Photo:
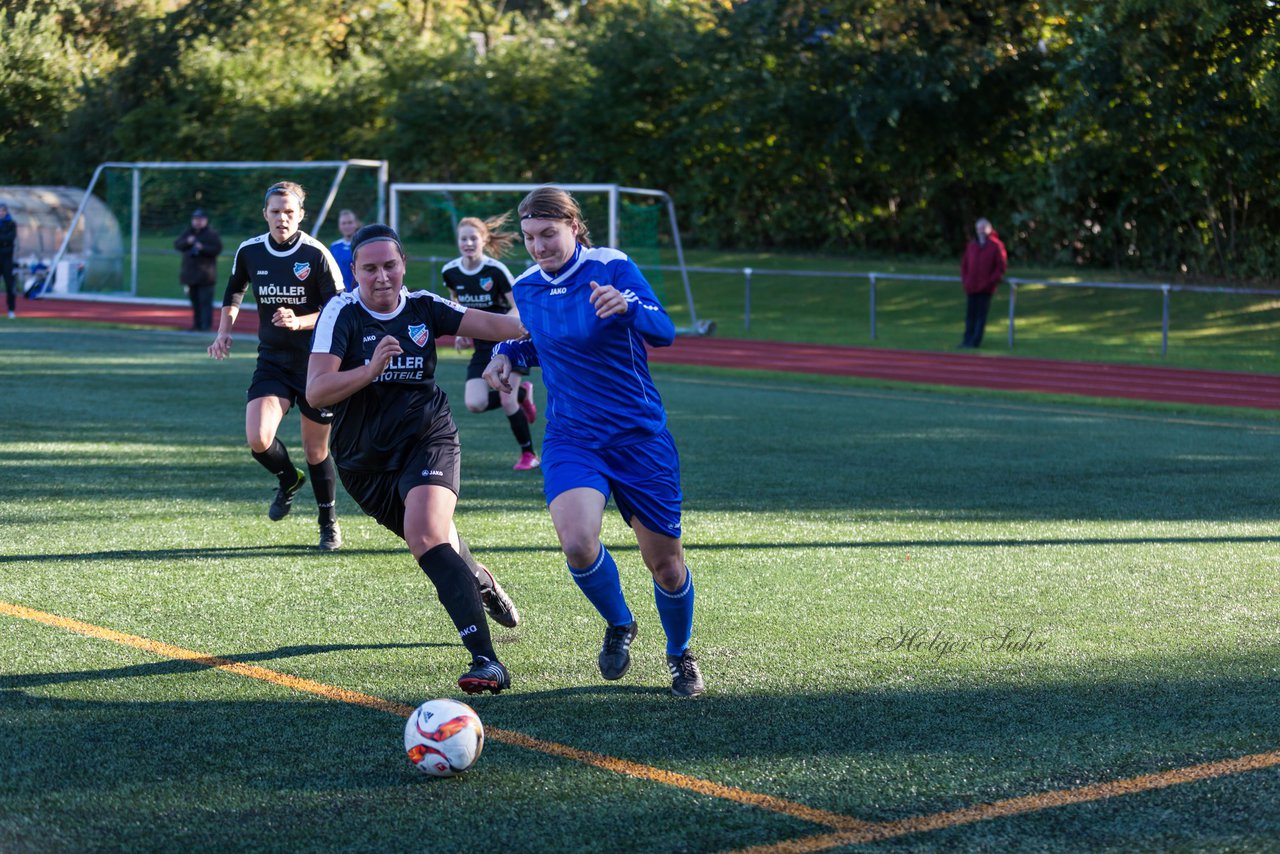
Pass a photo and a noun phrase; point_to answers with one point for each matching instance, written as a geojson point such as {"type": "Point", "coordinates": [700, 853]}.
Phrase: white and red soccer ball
{"type": "Point", "coordinates": [443, 738]}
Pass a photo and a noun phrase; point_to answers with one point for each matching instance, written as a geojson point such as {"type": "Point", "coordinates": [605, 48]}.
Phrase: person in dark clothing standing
{"type": "Point", "coordinates": [200, 246]}
{"type": "Point", "coordinates": [983, 266]}
{"type": "Point", "coordinates": [8, 237]}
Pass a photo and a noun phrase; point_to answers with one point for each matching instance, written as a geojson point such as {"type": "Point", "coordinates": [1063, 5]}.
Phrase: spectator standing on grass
{"type": "Point", "coordinates": [8, 239]}
{"type": "Point", "coordinates": [293, 276]}
{"type": "Point", "coordinates": [348, 225]}
{"type": "Point", "coordinates": [981, 270]}
{"type": "Point", "coordinates": [373, 360]}
{"type": "Point", "coordinates": [478, 280]}
{"type": "Point", "coordinates": [590, 314]}
{"type": "Point", "coordinates": [200, 246]}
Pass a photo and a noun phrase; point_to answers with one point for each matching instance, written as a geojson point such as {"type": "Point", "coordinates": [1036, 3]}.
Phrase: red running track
{"type": "Point", "coordinates": [1093, 379]}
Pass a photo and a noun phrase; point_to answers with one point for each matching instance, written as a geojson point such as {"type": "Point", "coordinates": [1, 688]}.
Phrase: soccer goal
{"type": "Point", "coordinates": [153, 203]}
{"type": "Point", "coordinates": [427, 215]}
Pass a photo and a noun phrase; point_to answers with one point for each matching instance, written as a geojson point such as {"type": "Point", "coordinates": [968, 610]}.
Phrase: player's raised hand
{"type": "Point", "coordinates": [608, 300]}
{"type": "Point", "coordinates": [388, 348]}
{"type": "Point", "coordinates": [498, 373]}
{"type": "Point", "coordinates": [221, 346]}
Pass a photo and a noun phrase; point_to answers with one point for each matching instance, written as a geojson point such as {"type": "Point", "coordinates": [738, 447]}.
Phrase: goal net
{"type": "Point", "coordinates": [635, 220]}
{"type": "Point", "coordinates": [152, 203]}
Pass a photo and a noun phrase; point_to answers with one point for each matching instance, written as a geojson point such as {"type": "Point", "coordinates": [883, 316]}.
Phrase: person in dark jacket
{"type": "Point", "coordinates": [983, 266]}
{"type": "Point", "coordinates": [8, 237]}
{"type": "Point", "coordinates": [200, 246]}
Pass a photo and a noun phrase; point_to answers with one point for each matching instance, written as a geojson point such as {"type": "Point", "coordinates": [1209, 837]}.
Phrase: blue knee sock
{"type": "Point", "coordinates": [675, 610]}
{"type": "Point", "coordinates": [603, 589]}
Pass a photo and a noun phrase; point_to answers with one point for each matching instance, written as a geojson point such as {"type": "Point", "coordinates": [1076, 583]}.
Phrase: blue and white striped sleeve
{"type": "Point", "coordinates": [521, 352]}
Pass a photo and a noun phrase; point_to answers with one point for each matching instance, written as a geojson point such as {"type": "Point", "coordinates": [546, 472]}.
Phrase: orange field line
{"type": "Point", "coordinates": [877, 831]}
{"type": "Point", "coordinates": [332, 692]}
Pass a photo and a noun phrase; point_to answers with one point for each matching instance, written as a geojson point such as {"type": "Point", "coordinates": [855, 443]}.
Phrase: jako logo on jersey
{"type": "Point", "coordinates": [486, 284]}
{"type": "Point", "coordinates": [366, 339]}
{"type": "Point", "coordinates": [419, 334]}
{"type": "Point", "coordinates": [302, 269]}
{"type": "Point", "coordinates": [555, 292]}
{"type": "Point", "coordinates": [432, 473]}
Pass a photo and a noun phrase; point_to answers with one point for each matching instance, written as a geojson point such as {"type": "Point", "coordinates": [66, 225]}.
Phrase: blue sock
{"type": "Point", "coordinates": [675, 610]}
{"type": "Point", "coordinates": [603, 589]}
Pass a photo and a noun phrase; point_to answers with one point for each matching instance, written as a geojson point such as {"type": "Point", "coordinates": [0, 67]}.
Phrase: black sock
{"type": "Point", "coordinates": [495, 400]}
{"type": "Point", "coordinates": [324, 481]}
{"type": "Point", "coordinates": [460, 595]}
{"type": "Point", "coordinates": [520, 429]}
{"type": "Point", "coordinates": [275, 459]}
{"type": "Point", "coordinates": [482, 578]}
{"type": "Point", "coordinates": [521, 393]}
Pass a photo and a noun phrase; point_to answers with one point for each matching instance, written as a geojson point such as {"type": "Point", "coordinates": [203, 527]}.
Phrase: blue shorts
{"type": "Point", "coordinates": [644, 478]}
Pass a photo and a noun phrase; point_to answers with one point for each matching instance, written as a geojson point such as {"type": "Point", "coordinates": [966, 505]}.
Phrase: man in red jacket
{"type": "Point", "coordinates": [981, 270]}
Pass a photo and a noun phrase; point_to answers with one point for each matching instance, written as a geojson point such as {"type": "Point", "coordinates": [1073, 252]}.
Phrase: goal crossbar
{"type": "Point", "coordinates": [614, 191]}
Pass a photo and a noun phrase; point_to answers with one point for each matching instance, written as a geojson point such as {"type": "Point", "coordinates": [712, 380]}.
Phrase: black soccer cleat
{"type": "Point", "coordinates": [496, 601]}
{"type": "Point", "coordinates": [283, 501]}
{"type": "Point", "coordinates": [615, 653]}
{"type": "Point", "coordinates": [686, 677]}
{"type": "Point", "coordinates": [330, 537]}
{"type": "Point", "coordinates": [485, 675]}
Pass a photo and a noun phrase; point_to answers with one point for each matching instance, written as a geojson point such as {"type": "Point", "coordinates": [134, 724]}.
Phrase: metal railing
{"type": "Point", "coordinates": [875, 278]}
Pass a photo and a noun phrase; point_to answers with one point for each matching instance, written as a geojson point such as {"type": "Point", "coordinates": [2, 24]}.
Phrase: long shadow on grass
{"type": "Point", "coordinates": [279, 550]}
{"type": "Point", "coordinates": [887, 753]}
{"type": "Point", "coordinates": [173, 667]}
{"type": "Point", "coordinates": [314, 767]}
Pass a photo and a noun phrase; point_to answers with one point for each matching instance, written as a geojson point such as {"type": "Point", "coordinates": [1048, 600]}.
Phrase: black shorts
{"type": "Point", "coordinates": [272, 378]}
{"type": "Point", "coordinates": [480, 360]}
{"type": "Point", "coordinates": [434, 460]}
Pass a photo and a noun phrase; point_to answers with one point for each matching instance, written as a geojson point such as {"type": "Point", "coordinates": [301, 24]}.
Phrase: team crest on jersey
{"type": "Point", "coordinates": [486, 284]}
{"type": "Point", "coordinates": [418, 332]}
{"type": "Point", "coordinates": [302, 269]}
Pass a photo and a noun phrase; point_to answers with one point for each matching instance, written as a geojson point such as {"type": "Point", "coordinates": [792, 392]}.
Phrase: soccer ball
{"type": "Point", "coordinates": [443, 737]}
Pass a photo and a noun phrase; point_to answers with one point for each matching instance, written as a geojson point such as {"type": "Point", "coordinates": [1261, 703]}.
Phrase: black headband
{"type": "Point", "coordinates": [372, 233]}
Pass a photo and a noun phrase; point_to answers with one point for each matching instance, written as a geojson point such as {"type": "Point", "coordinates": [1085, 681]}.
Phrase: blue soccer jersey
{"type": "Point", "coordinates": [596, 371]}
{"type": "Point", "coordinates": [341, 252]}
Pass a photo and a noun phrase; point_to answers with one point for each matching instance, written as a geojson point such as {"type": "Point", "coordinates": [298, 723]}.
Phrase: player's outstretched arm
{"type": "Point", "coordinates": [489, 326]}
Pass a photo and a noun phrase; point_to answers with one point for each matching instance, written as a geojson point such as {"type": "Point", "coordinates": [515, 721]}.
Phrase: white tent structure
{"type": "Point", "coordinates": [45, 215]}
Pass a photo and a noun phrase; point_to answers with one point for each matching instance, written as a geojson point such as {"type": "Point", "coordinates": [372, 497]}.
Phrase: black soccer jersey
{"type": "Point", "coordinates": [488, 288]}
{"type": "Point", "coordinates": [301, 276]}
{"type": "Point", "coordinates": [375, 429]}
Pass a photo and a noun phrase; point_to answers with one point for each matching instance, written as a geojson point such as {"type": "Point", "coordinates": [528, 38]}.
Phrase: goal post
{"type": "Point", "coordinates": [615, 196]}
{"type": "Point", "coordinates": [152, 200]}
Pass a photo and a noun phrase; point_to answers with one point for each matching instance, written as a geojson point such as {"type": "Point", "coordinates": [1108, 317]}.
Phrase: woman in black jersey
{"type": "Point", "coordinates": [373, 360]}
{"type": "Point", "coordinates": [478, 280]}
{"type": "Point", "coordinates": [293, 276]}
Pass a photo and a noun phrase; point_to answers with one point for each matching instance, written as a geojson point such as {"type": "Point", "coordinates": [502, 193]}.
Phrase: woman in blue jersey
{"type": "Point", "coordinates": [589, 313]}
{"type": "Point", "coordinates": [373, 361]}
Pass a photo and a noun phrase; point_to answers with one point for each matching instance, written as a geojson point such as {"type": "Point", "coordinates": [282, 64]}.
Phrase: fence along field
{"type": "Point", "coordinates": [854, 581]}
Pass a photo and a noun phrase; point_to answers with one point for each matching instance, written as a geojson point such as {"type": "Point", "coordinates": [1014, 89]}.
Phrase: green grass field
{"type": "Point", "coordinates": [1217, 331]}
{"type": "Point", "coordinates": [860, 555]}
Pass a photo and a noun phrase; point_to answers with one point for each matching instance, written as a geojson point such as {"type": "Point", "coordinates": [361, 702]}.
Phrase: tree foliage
{"type": "Point", "coordinates": [1134, 133]}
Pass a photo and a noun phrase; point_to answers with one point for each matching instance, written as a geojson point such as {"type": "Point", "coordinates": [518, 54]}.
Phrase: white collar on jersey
{"type": "Point", "coordinates": [391, 315]}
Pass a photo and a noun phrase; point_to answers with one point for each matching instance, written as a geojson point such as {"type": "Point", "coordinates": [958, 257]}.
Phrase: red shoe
{"type": "Point", "coordinates": [527, 405]}
{"type": "Point", "coordinates": [527, 462]}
